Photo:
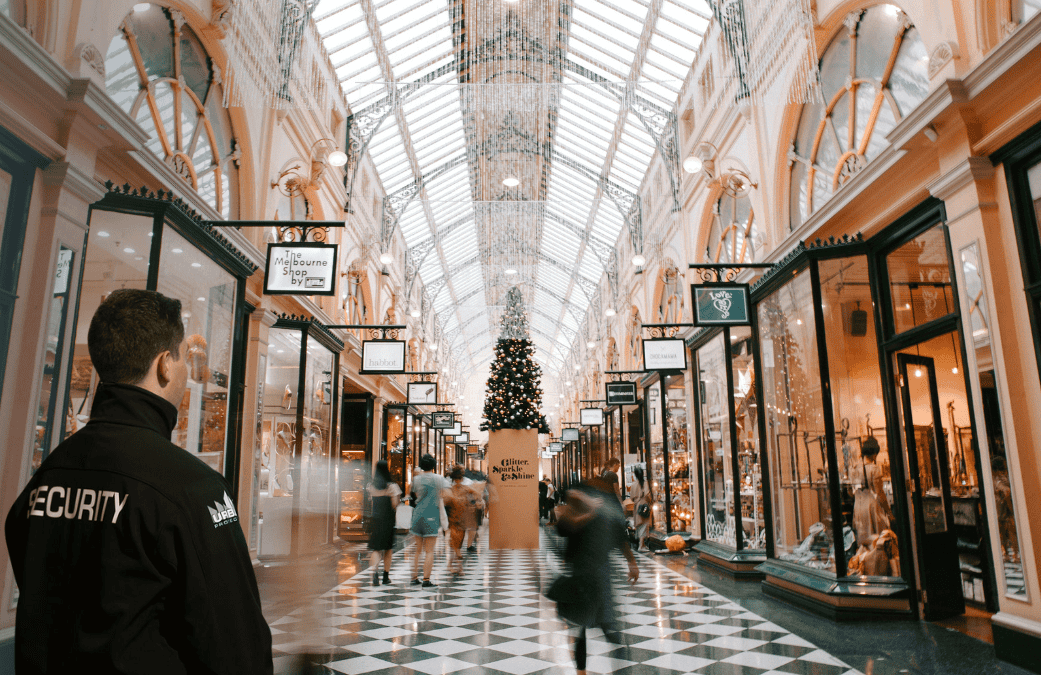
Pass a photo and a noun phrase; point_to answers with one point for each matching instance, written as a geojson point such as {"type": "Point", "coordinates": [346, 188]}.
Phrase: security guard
{"type": "Point", "coordinates": [127, 550]}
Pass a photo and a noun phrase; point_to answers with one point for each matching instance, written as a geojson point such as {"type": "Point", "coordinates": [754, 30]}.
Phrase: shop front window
{"type": "Point", "coordinates": [207, 293]}
{"type": "Point", "coordinates": [682, 510]}
{"type": "Point", "coordinates": [872, 75]}
{"type": "Point", "coordinates": [657, 454]}
{"type": "Point", "coordinates": [746, 422]}
{"type": "Point", "coordinates": [158, 72]}
{"type": "Point", "coordinates": [862, 457]}
{"type": "Point", "coordinates": [47, 412]}
{"type": "Point", "coordinates": [716, 448]}
{"type": "Point", "coordinates": [920, 281]}
{"type": "Point", "coordinates": [795, 435]}
{"type": "Point", "coordinates": [394, 444]}
{"type": "Point", "coordinates": [278, 479]}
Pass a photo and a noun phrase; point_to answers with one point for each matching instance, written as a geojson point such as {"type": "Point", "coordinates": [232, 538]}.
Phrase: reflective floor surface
{"type": "Point", "coordinates": [327, 617]}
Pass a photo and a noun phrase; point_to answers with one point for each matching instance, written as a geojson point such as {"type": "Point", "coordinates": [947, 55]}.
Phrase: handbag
{"type": "Point", "coordinates": [574, 598]}
{"type": "Point", "coordinates": [644, 510]}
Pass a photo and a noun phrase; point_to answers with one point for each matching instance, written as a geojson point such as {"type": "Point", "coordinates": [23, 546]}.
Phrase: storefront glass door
{"type": "Point", "coordinates": [925, 447]}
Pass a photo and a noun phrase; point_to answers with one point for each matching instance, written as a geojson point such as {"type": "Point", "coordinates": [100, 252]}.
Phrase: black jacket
{"type": "Point", "coordinates": [129, 555]}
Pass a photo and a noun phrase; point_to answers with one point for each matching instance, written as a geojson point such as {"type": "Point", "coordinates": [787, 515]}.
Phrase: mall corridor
{"type": "Point", "coordinates": [495, 619]}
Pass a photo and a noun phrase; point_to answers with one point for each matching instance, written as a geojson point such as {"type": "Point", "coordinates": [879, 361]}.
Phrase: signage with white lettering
{"type": "Point", "coordinates": [556, 446]}
{"type": "Point", "coordinates": [719, 305]}
{"type": "Point", "coordinates": [621, 393]}
{"type": "Point", "coordinates": [442, 420]}
{"type": "Point", "coordinates": [462, 438]}
{"type": "Point", "coordinates": [382, 357]}
{"type": "Point", "coordinates": [422, 393]}
{"type": "Point", "coordinates": [664, 354]}
{"type": "Point", "coordinates": [300, 268]}
{"type": "Point", "coordinates": [569, 435]}
{"type": "Point", "coordinates": [591, 417]}
{"type": "Point", "coordinates": [454, 430]}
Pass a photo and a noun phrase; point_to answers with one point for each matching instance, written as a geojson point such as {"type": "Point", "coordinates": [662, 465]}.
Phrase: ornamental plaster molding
{"type": "Point", "coordinates": [944, 53]}
{"type": "Point", "coordinates": [971, 170]}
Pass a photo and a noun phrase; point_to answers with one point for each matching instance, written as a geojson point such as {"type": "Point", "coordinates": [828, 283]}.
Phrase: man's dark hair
{"type": "Point", "coordinates": [130, 329]}
{"type": "Point", "coordinates": [427, 462]}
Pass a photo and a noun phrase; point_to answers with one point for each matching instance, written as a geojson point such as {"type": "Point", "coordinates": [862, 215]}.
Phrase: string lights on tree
{"type": "Point", "coordinates": [514, 392]}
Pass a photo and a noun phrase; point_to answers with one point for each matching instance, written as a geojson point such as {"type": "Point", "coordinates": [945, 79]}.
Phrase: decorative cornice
{"type": "Point", "coordinates": [1005, 56]}
{"type": "Point", "coordinates": [71, 178]}
{"type": "Point", "coordinates": [27, 50]}
{"type": "Point", "coordinates": [203, 224]}
{"type": "Point", "coordinates": [29, 133]}
{"type": "Point", "coordinates": [309, 323]}
{"type": "Point", "coordinates": [972, 169]}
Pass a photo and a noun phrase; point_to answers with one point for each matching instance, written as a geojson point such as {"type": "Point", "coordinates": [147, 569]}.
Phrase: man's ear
{"type": "Point", "coordinates": [163, 369]}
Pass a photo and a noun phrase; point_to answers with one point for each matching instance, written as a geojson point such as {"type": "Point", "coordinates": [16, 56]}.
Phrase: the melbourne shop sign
{"type": "Point", "coordinates": [300, 268]}
{"type": "Point", "coordinates": [720, 304]}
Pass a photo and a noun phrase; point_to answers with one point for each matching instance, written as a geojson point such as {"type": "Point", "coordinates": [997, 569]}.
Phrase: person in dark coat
{"type": "Point", "coordinates": [543, 492]}
{"type": "Point", "coordinates": [594, 525]}
{"type": "Point", "coordinates": [385, 495]}
{"type": "Point", "coordinates": [127, 550]}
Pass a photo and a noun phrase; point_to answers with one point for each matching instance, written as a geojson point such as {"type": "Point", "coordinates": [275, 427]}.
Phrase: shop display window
{"type": "Point", "coordinates": [795, 436]}
{"type": "Point", "coordinates": [657, 455]}
{"type": "Point", "coordinates": [355, 464]}
{"type": "Point", "coordinates": [48, 421]}
{"type": "Point", "coordinates": [862, 455]}
{"type": "Point", "coordinates": [729, 433]}
{"type": "Point", "coordinates": [920, 281]}
{"type": "Point", "coordinates": [207, 293]}
{"type": "Point", "coordinates": [299, 427]}
{"type": "Point", "coordinates": [395, 450]}
{"type": "Point", "coordinates": [1002, 478]}
{"type": "Point", "coordinates": [681, 509]}
{"type": "Point", "coordinates": [119, 254]}
{"type": "Point", "coordinates": [716, 448]}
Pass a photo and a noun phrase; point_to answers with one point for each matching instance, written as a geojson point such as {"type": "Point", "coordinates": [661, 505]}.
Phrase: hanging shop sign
{"type": "Point", "coordinates": [422, 393]}
{"type": "Point", "coordinates": [556, 447]}
{"type": "Point", "coordinates": [442, 420]}
{"type": "Point", "coordinates": [569, 435]}
{"type": "Point", "coordinates": [382, 357]}
{"type": "Point", "coordinates": [454, 430]}
{"type": "Point", "coordinates": [300, 268]}
{"type": "Point", "coordinates": [720, 304]}
{"type": "Point", "coordinates": [462, 438]}
{"type": "Point", "coordinates": [473, 450]}
{"type": "Point", "coordinates": [620, 393]}
{"type": "Point", "coordinates": [664, 354]}
{"type": "Point", "coordinates": [591, 417]}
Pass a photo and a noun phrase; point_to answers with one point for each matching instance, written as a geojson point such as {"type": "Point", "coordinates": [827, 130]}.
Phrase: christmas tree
{"type": "Point", "coordinates": [514, 391]}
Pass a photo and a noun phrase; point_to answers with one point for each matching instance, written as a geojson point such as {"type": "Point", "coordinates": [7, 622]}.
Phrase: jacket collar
{"type": "Point", "coordinates": [133, 406]}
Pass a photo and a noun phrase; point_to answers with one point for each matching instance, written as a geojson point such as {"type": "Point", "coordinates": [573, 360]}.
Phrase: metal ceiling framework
{"type": "Point", "coordinates": [572, 97]}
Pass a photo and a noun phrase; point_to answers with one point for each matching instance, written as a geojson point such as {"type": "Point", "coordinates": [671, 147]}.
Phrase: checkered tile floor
{"type": "Point", "coordinates": [495, 619]}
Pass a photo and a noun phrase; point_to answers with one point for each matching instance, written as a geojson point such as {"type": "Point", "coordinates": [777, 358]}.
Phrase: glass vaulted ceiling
{"type": "Point", "coordinates": [539, 90]}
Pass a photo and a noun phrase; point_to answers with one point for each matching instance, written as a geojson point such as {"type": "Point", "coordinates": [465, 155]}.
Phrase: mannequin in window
{"type": "Point", "coordinates": [871, 512]}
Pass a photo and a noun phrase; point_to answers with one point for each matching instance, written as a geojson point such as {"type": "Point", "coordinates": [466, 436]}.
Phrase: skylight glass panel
{"type": "Point", "coordinates": [590, 267]}
{"type": "Point", "coordinates": [460, 245]}
{"type": "Point", "coordinates": [676, 70]}
{"type": "Point", "coordinates": [675, 42]}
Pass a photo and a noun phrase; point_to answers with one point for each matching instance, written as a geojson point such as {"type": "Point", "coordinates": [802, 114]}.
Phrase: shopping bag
{"type": "Point", "coordinates": [403, 517]}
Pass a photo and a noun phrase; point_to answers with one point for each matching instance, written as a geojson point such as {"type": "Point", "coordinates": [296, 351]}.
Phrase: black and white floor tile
{"type": "Point", "coordinates": [496, 620]}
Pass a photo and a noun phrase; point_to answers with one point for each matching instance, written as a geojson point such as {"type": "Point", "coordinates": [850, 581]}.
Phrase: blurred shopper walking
{"type": "Point", "coordinates": [385, 496]}
{"type": "Point", "coordinates": [461, 502]}
{"type": "Point", "coordinates": [426, 517]}
{"type": "Point", "coordinates": [593, 523]}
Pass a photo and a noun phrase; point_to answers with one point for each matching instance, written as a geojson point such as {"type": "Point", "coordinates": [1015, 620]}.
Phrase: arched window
{"type": "Point", "coordinates": [873, 73]}
{"type": "Point", "coordinates": [670, 301]}
{"type": "Point", "coordinates": [158, 72]}
{"type": "Point", "coordinates": [733, 236]}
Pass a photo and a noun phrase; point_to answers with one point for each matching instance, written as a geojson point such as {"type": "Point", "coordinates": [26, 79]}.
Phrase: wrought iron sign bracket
{"type": "Point", "coordinates": [375, 332]}
{"type": "Point", "coordinates": [289, 230]}
{"type": "Point", "coordinates": [718, 274]}
{"type": "Point", "coordinates": [624, 375]}
{"type": "Point", "coordinates": [666, 330]}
